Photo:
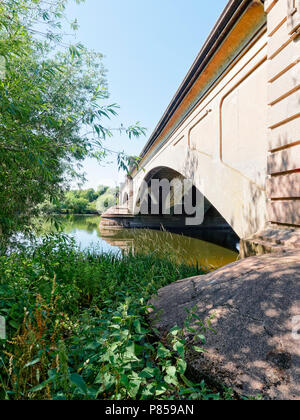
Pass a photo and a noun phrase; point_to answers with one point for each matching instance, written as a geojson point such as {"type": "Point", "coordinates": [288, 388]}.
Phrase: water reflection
{"type": "Point", "coordinates": [85, 230]}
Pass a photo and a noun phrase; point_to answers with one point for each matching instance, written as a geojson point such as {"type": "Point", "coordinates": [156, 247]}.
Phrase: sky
{"type": "Point", "coordinates": [148, 47]}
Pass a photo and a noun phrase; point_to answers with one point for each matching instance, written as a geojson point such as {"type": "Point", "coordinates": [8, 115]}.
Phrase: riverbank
{"type": "Point", "coordinates": [256, 307]}
{"type": "Point", "coordinates": [77, 327]}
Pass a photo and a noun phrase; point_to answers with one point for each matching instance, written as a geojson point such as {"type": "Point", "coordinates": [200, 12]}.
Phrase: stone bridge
{"type": "Point", "coordinates": [233, 126]}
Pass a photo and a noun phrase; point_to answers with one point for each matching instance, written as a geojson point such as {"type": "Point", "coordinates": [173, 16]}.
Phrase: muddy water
{"type": "Point", "coordinates": [85, 231]}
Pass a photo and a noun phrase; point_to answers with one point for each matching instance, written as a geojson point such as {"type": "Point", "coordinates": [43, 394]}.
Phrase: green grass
{"type": "Point", "coordinates": [78, 328]}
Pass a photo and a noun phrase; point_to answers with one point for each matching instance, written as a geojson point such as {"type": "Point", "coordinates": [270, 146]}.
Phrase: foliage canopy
{"type": "Point", "coordinates": [88, 201]}
{"type": "Point", "coordinates": [53, 107]}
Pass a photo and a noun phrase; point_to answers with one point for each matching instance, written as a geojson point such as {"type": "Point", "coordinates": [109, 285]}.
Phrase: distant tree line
{"type": "Point", "coordinates": [88, 201]}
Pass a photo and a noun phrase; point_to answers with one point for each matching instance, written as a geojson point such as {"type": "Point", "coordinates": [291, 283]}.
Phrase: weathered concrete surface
{"type": "Point", "coordinates": [271, 240]}
{"type": "Point", "coordinates": [255, 301]}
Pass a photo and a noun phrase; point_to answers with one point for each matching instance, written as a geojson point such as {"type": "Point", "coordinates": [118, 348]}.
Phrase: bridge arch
{"type": "Point", "coordinates": [213, 217]}
{"type": "Point", "coordinates": [240, 200]}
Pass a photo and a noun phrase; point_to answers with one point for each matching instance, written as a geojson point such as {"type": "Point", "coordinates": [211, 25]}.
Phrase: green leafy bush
{"type": "Point", "coordinates": [78, 327]}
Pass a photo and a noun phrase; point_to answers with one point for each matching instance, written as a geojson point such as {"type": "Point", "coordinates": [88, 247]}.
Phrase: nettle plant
{"type": "Point", "coordinates": [124, 360]}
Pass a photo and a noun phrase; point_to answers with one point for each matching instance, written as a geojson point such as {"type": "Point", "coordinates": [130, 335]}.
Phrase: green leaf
{"type": "Point", "coordinates": [137, 325]}
{"type": "Point", "coordinates": [186, 381]}
{"type": "Point", "coordinates": [202, 338]}
{"type": "Point", "coordinates": [162, 352]}
{"type": "Point", "coordinates": [175, 330]}
{"type": "Point", "coordinates": [172, 380]}
{"type": "Point", "coordinates": [33, 362]}
{"type": "Point", "coordinates": [42, 385]}
{"type": "Point", "coordinates": [179, 347]}
{"type": "Point", "coordinates": [79, 382]}
{"type": "Point", "coordinates": [134, 387]}
{"type": "Point", "coordinates": [199, 349]}
{"type": "Point", "coordinates": [181, 366]}
{"type": "Point", "coordinates": [14, 324]}
{"type": "Point", "coordinates": [147, 373]}
{"type": "Point", "coordinates": [160, 390]}
{"type": "Point", "coordinates": [171, 371]}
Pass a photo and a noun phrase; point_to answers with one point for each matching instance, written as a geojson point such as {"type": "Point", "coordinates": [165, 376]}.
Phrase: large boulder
{"type": "Point", "coordinates": [256, 303]}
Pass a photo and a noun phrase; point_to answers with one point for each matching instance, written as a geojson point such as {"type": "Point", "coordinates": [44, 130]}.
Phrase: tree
{"type": "Point", "coordinates": [52, 110]}
{"type": "Point", "coordinates": [89, 195]}
{"type": "Point", "coordinates": [107, 200]}
{"type": "Point", "coordinates": [102, 189]}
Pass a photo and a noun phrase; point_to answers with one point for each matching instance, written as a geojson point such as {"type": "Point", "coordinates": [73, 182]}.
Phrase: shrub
{"type": "Point", "coordinates": [77, 326]}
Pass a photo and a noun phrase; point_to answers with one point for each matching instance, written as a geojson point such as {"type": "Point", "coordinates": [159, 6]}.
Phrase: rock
{"type": "Point", "coordinates": [255, 302]}
{"type": "Point", "coordinates": [271, 240]}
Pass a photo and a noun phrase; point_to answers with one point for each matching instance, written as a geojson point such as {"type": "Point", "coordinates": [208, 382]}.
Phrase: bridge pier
{"type": "Point", "coordinates": [214, 229]}
{"type": "Point", "coordinates": [117, 222]}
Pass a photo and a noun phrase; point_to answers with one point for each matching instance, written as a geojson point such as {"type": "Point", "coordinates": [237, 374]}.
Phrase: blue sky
{"type": "Point", "coordinates": [149, 45]}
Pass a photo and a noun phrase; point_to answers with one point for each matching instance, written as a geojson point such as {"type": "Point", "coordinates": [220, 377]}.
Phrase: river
{"type": "Point", "coordinates": [182, 246]}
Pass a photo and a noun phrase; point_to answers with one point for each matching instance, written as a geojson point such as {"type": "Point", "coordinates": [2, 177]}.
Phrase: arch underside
{"type": "Point", "coordinates": [231, 200]}
{"type": "Point", "coordinates": [212, 217]}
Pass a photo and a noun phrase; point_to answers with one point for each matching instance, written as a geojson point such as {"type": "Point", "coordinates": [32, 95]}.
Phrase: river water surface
{"type": "Point", "coordinates": [85, 231]}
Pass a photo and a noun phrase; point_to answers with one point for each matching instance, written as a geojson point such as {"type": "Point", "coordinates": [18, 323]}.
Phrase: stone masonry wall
{"type": "Point", "coordinates": [283, 184]}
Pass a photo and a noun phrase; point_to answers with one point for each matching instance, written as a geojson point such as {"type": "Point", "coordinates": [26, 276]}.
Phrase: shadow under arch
{"type": "Point", "coordinates": [125, 198]}
{"type": "Point", "coordinates": [214, 227]}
